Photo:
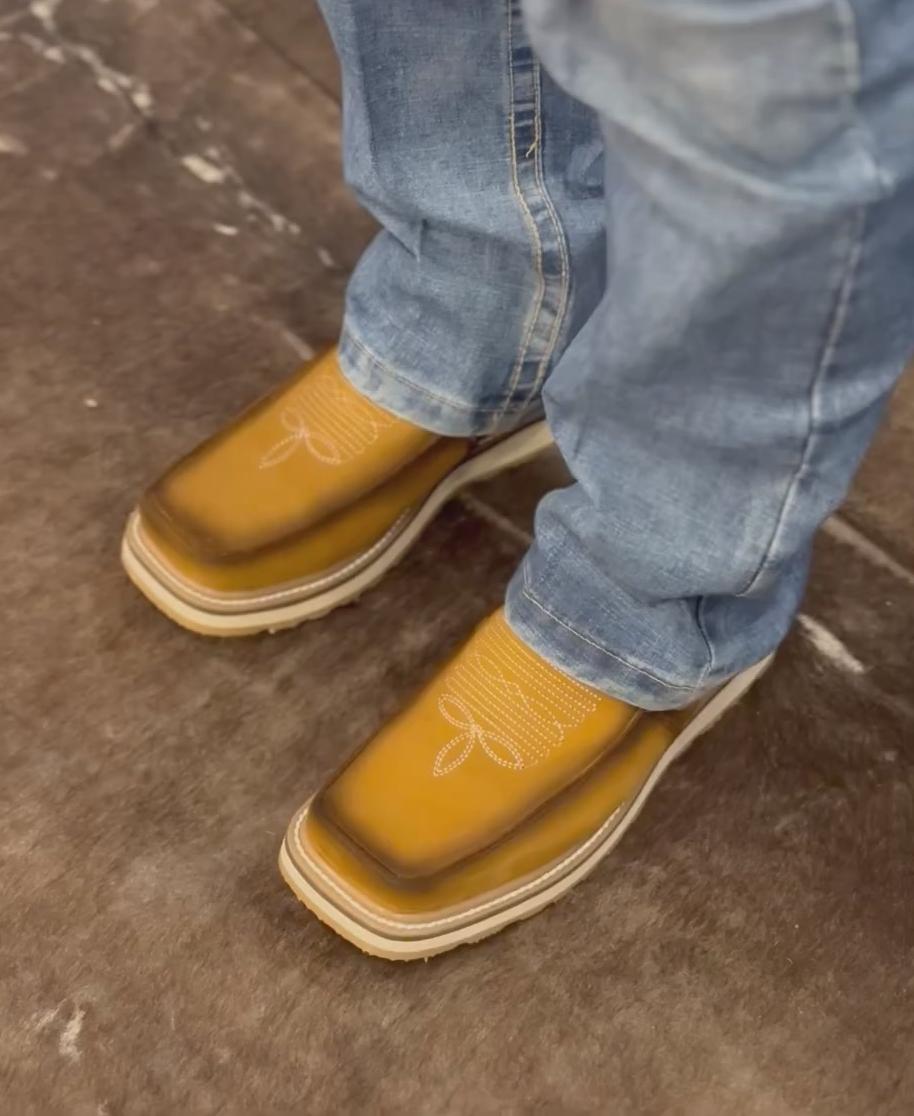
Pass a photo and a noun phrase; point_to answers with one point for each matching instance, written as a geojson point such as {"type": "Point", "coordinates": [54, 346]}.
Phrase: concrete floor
{"type": "Point", "coordinates": [174, 237]}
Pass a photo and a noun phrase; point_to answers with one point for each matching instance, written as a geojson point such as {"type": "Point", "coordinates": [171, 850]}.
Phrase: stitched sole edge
{"type": "Point", "coordinates": [372, 940]}
{"type": "Point", "coordinates": [506, 454]}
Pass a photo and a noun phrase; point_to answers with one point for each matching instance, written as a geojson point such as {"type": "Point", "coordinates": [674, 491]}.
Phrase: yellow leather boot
{"type": "Point", "coordinates": [493, 793]}
{"type": "Point", "coordinates": [298, 506]}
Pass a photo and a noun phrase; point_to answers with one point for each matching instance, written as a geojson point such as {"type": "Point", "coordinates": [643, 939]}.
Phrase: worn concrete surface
{"type": "Point", "coordinates": [173, 238]}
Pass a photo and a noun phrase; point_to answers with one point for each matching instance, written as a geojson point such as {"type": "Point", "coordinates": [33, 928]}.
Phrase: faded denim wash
{"type": "Point", "coordinates": [683, 227]}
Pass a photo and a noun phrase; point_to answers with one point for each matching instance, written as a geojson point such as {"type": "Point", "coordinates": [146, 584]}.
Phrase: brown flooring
{"type": "Point", "coordinates": [750, 948]}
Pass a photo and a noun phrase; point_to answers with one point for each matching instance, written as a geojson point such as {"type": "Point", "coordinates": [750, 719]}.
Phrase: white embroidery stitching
{"type": "Point", "coordinates": [333, 425]}
{"type": "Point", "coordinates": [504, 720]}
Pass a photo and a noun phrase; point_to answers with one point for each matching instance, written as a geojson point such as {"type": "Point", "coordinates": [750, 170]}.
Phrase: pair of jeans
{"type": "Point", "coordinates": [684, 229]}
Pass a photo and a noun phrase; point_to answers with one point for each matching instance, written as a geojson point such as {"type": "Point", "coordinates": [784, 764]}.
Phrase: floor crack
{"type": "Point", "coordinates": [839, 528]}
{"type": "Point", "coordinates": [278, 50]}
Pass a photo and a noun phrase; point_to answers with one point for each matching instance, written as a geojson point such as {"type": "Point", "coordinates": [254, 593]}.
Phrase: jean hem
{"type": "Point", "coordinates": [396, 392]}
{"type": "Point", "coordinates": [572, 652]}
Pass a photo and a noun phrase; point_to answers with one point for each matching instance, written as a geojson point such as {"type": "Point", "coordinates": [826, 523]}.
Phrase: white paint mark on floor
{"type": "Point", "coordinates": [203, 169]}
{"type": "Point", "coordinates": [68, 1040]}
{"type": "Point", "coordinates": [44, 1019]}
{"type": "Point", "coordinates": [69, 1036]}
{"type": "Point", "coordinates": [106, 77]}
{"type": "Point", "coordinates": [225, 230]}
{"type": "Point", "coordinates": [828, 645]}
{"type": "Point", "coordinates": [122, 135]}
{"type": "Point", "coordinates": [45, 11]}
{"type": "Point", "coordinates": [501, 522]}
{"type": "Point", "coordinates": [9, 145]}
{"type": "Point", "coordinates": [45, 50]}
{"type": "Point", "coordinates": [142, 99]}
{"type": "Point", "coordinates": [326, 258]}
{"type": "Point", "coordinates": [48, 51]}
{"type": "Point", "coordinates": [278, 221]}
{"type": "Point", "coordinates": [213, 168]}
{"type": "Point", "coordinates": [846, 533]}
{"type": "Point", "coordinates": [297, 344]}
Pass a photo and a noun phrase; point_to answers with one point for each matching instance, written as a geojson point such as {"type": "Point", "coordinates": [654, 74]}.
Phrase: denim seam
{"type": "Point", "coordinates": [551, 298]}
{"type": "Point", "coordinates": [535, 241]}
{"type": "Point", "coordinates": [560, 239]}
{"type": "Point", "coordinates": [844, 281]}
{"type": "Point", "coordinates": [833, 337]}
{"type": "Point", "coordinates": [702, 627]}
{"type": "Point", "coordinates": [640, 671]}
{"type": "Point", "coordinates": [405, 381]}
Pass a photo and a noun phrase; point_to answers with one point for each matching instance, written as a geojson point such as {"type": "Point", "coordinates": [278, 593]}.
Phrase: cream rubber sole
{"type": "Point", "coordinates": [238, 615]}
{"type": "Point", "coordinates": [410, 940]}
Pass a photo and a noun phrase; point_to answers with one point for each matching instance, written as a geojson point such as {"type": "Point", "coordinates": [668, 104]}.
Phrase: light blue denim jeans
{"type": "Point", "coordinates": [685, 228]}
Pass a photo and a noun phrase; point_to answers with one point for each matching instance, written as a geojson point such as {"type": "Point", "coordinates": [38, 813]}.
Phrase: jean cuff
{"type": "Point", "coordinates": [385, 385]}
{"type": "Point", "coordinates": [540, 624]}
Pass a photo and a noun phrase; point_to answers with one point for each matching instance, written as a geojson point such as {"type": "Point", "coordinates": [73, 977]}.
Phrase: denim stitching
{"type": "Point", "coordinates": [535, 241]}
{"type": "Point", "coordinates": [560, 239]}
{"type": "Point", "coordinates": [454, 404]}
{"type": "Point", "coordinates": [640, 671]}
{"type": "Point", "coordinates": [700, 623]}
{"type": "Point", "coordinates": [544, 324]}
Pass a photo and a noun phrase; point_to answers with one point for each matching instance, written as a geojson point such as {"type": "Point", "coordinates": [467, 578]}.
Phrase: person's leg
{"type": "Point", "coordinates": [760, 216]}
{"type": "Point", "coordinates": [761, 235]}
{"type": "Point", "coordinates": [487, 180]}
